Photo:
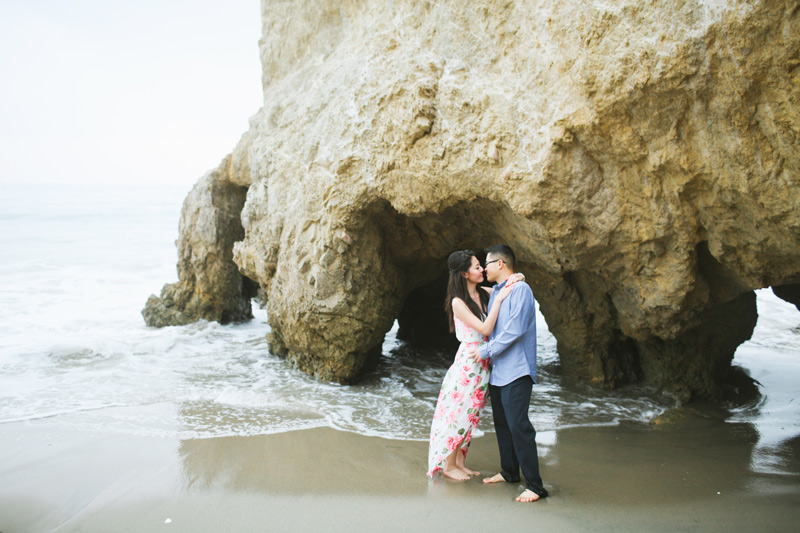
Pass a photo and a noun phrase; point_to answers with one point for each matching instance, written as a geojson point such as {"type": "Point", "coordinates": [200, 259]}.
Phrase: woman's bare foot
{"type": "Point", "coordinates": [497, 478]}
{"type": "Point", "coordinates": [455, 473]}
{"type": "Point", "coordinates": [468, 470]}
{"type": "Point", "coordinates": [461, 466]}
{"type": "Point", "coordinates": [528, 496]}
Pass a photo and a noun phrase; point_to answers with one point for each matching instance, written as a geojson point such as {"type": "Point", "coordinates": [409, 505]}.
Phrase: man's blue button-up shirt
{"type": "Point", "coordinates": [512, 343]}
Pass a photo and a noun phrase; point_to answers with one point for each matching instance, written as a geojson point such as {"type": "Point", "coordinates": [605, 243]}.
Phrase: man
{"type": "Point", "coordinates": [512, 349]}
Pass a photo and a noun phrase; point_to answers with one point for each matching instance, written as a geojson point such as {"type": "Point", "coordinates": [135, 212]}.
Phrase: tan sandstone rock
{"type": "Point", "coordinates": [640, 157]}
{"type": "Point", "coordinates": [210, 285]}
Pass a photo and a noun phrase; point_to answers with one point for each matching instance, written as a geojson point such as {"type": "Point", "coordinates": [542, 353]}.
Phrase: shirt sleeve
{"type": "Point", "coordinates": [521, 307]}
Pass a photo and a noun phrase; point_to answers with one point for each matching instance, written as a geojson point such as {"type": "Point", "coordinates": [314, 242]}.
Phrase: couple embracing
{"type": "Point", "coordinates": [497, 330]}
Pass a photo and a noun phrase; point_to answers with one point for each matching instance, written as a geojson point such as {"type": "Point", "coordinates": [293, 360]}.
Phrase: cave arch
{"type": "Point", "coordinates": [579, 306]}
{"type": "Point", "coordinates": [789, 292]}
{"type": "Point", "coordinates": [417, 246]}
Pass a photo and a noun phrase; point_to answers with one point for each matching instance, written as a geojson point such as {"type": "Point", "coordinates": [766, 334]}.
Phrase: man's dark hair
{"type": "Point", "coordinates": [504, 252]}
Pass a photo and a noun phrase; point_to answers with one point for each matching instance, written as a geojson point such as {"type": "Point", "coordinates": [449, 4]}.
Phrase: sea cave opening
{"type": "Point", "coordinates": [418, 246]}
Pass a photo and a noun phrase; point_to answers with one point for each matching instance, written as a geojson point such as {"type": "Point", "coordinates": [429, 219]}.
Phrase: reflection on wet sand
{"type": "Point", "coordinates": [316, 461]}
{"type": "Point", "coordinates": [697, 457]}
{"type": "Point", "coordinates": [696, 473]}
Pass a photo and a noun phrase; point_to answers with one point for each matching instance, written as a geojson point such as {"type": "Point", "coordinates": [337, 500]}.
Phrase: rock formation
{"type": "Point", "coordinates": [790, 293]}
{"type": "Point", "coordinates": [641, 158]}
{"type": "Point", "coordinates": [210, 285]}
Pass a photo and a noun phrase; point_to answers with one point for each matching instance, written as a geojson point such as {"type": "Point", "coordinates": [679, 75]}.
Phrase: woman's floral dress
{"type": "Point", "coordinates": [461, 399]}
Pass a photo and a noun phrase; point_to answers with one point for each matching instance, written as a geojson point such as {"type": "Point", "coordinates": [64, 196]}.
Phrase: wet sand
{"type": "Point", "coordinates": [699, 474]}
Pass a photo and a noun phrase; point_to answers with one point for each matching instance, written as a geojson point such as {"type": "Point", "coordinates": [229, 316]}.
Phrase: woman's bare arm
{"type": "Point", "coordinates": [462, 312]}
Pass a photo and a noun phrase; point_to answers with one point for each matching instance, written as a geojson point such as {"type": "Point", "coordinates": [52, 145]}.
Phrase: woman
{"type": "Point", "coordinates": [463, 393]}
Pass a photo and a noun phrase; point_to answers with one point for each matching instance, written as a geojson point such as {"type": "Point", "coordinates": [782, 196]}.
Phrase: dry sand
{"type": "Point", "coordinates": [698, 475]}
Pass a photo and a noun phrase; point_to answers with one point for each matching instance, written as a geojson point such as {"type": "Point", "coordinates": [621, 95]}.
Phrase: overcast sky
{"type": "Point", "coordinates": [146, 91]}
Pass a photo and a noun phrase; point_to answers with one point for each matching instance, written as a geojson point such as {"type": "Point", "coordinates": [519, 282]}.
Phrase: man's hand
{"type": "Point", "coordinates": [473, 354]}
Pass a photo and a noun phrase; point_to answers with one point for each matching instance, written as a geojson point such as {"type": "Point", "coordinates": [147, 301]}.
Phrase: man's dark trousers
{"type": "Point", "coordinates": [516, 437]}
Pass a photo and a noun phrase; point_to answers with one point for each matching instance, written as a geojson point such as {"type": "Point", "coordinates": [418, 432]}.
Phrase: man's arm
{"type": "Point", "coordinates": [521, 308]}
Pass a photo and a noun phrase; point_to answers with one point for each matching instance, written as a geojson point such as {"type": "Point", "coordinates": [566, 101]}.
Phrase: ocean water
{"type": "Point", "coordinates": [78, 263]}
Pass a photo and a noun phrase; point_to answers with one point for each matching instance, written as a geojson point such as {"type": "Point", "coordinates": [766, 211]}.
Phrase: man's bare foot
{"type": "Point", "coordinates": [455, 473]}
{"type": "Point", "coordinates": [497, 478]}
{"type": "Point", "coordinates": [528, 496]}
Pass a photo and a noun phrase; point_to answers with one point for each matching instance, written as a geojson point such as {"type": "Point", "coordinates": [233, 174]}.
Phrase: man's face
{"type": "Point", "coordinates": [492, 268]}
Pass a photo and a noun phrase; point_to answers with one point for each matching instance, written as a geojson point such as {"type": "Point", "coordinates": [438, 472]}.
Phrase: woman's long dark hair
{"type": "Point", "coordinates": [459, 262]}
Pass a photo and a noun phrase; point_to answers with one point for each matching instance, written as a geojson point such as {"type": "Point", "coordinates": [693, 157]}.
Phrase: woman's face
{"type": "Point", "coordinates": [475, 272]}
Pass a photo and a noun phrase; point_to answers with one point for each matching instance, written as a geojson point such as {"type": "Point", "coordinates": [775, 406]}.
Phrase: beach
{"type": "Point", "coordinates": [639, 157]}
{"type": "Point", "coordinates": [107, 425]}
{"type": "Point", "coordinates": [696, 474]}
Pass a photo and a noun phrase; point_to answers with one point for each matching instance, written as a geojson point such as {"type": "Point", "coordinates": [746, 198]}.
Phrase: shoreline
{"type": "Point", "coordinates": [697, 474]}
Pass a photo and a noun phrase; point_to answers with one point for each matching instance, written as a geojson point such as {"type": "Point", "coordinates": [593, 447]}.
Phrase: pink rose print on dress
{"type": "Point", "coordinates": [458, 407]}
{"type": "Point", "coordinates": [477, 396]}
{"type": "Point", "coordinates": [452, 443]}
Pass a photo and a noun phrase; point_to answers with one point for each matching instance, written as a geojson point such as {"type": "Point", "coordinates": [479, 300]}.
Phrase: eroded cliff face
{"type": "Point", "coordinates": [641, 158]}
{"type": "Point", "coordinates": [210, 285]}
